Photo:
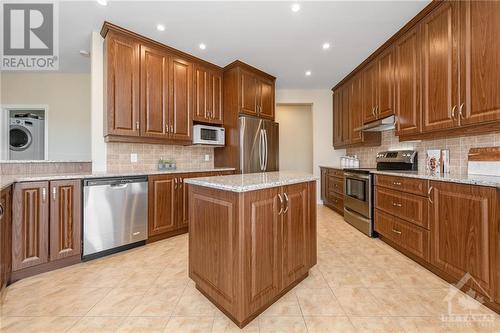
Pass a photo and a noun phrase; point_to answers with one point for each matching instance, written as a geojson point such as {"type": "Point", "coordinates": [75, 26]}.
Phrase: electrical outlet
{"type": "Point", "coordinates": [207, 157]}
{"type": "Point", "coordinates": [133, 158]}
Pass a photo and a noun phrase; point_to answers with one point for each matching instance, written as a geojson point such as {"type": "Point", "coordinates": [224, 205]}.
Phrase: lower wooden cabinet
{"type": "Point", "coordinates": [332, 188]}
{"type": "Point", "coordinates": [168, 207]}
{"type": "Point", "coordinates": [46, 223]}
{"type": "Point", "coordinates": [463, 231]}
{"type": "Point", "coordinates": [5, 237]}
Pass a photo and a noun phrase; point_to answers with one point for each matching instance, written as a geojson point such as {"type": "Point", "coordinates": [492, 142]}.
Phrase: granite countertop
{"type": "Point", "coordinates": [10, 179]}
{"type": "Point", "coordinates": [491, 181]}
{"type": "Point", "coordinates": [331, 166]}
{"type": "Point", "coordinates": [252, 181]}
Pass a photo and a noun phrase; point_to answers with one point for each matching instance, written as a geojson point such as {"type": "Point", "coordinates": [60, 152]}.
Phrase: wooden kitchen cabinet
{"type": "Point", "coordinates": [30, 225]}
{"type": "Point", "coordinates": [479, 62]}
{"type": "Point", "coordinates": [356, 110]}
{"type": "Point", "coordinates": [181, 121]}
{"type": "Point", "coordinates": [5, 238]}
{"type": "Point", "coordinates": [263, 227]}
{"type": "Point", "coordinates": [408, 83]}
{"type": "Point", "coordinates": [337, 117]}
{"type": "Point", "coordinates": [65, 219]}
{"type": "Point", "coordinates": [121, 79]}
{"type": "Point", "coordinates": [463, 226]}
{"type": "Point", "coordinates": [439, 67]}
{"type": "Point", "coordinates": [385, 85]}
{"type": "Point", "coordinates": [295, 233]}
{"type": "Point", "coordinates": [46, 226]}
{"type": "Point", "coordinates": [332, 189]}
{"type": "Point", "coordinates": [155, 89]}
{"type": "Point", "coordinates": [370, 92]}
{"type": "Point", "coordinates": [249, 90]}
{"type": "Point", "coordinates": [247, 249]}
{"type": "Point", "coordinates": [207, 95]}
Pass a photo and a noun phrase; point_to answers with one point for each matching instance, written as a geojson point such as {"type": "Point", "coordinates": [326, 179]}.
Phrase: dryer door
{"type": "Point", "coordinates": [19, 138]}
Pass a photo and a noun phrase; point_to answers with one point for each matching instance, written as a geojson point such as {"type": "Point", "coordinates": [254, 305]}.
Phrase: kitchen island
{"type": "Point", "coordinates": [252, 238]}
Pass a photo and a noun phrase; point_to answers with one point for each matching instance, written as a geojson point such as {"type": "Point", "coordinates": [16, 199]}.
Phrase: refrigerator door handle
{"type": "Point", "coordinates": [261, 149]}
{"type": "Point", "coordinates": [265, 150]}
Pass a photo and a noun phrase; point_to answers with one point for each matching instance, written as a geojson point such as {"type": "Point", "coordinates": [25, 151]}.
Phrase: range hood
{"type": "Point", "coordinates": [380, 125]}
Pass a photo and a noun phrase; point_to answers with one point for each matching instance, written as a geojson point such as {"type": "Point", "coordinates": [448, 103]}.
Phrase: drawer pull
{"type": "Point", "coordinates": [395, 204]}
{"type": "Point", "coordinates": [396, 183]}
{"type": "Point", "coordinates": [396, 231]}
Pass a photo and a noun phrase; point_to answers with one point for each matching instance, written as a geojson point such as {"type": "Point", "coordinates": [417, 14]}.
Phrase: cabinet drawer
{"type": "Point", "coordinates": [410, 237]}
{"type": "Point", "coordinates": [409, 185]}
{"type": "Point", "coordinates": [409, 207]}
{"type": "Point", "coordinates": [336, 184]}
{"type": "Point", "coordinates": [336, 172]}
{"type": "Point", "coordinates": [336, 200]}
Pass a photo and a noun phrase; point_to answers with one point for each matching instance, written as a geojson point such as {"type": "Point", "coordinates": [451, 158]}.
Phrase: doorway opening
{"type": "Point", "coordinates": [295, 137]}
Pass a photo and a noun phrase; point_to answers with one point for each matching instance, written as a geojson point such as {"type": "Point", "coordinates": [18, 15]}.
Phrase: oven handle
{"type": "Point", "coordinates": [355, 176]}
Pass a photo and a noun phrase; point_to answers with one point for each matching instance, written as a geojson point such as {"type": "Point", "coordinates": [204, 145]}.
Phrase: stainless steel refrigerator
{"type": "Point", "coordinates": [259, 145]}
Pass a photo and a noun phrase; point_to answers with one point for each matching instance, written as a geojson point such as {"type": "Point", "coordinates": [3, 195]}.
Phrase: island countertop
{"type": "Point", "coordinates": [252, 181]}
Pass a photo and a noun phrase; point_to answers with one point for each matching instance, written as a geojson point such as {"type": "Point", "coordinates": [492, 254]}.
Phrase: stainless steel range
{"type": "Point", "coordinates": [358, 197]}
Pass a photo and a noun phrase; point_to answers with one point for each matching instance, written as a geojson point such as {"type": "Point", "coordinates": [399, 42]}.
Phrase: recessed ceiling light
{"type": "Point", "coordinates": [308, 73]}
{"type": "Point", "coordinates": [295, 7]}
{"type": "Point", "coordinates": [102, 2]}
{"type": "Point", "coordinates": [326, 46]}
{"type": "Point", "coordinates": [160, 27]}
{"type": "Point", "coordinates": [203, 46]}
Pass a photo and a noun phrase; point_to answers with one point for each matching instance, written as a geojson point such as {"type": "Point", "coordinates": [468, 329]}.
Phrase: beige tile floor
{"type": "Point", "coordinates": [359, 285]}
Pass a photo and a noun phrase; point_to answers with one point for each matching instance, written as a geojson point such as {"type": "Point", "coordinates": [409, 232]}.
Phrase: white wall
{"type": "Point", "coordinates": [97, 104]}
{"type": "Point", "coordinates": [321, 100]}
{"type": "Point", "coordinates": [296, 142]}
{"type": "Point", "coordinates": [67, 97]}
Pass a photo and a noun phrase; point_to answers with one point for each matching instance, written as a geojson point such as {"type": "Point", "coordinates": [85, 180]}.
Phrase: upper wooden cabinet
{"type": "Point", "coordinates": [155, 88]}
{"type": "Point", "coordinates": [479, 62]}
{"type": "Point", "coordinates": [152, 90]}
{"type": "Point", "coordinates": [181, 121]}
{"type": "Point", "coordinates": [121, 81]}
{"type": "Point", "coordinates": [207, 95]}
{"type": "Point", "coordinates": [439, 67]}
{"type": "Point", "coordinates": [251, 88]}
{"type": "Point", "coordinates": [355, 91]}
{"type": "Point", "coordinates": [378, 88]}
{"type": "Point", "coordinates": [438, 74]}
{"type": "Point", "coordinates": [408, 83]}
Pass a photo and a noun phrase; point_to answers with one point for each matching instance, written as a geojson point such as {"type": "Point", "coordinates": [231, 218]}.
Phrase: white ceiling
{"type": "Point", "coordinates": [267, 35]}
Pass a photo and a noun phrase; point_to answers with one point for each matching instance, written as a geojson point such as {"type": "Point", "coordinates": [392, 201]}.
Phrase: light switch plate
{"type": "Point", "coordinates": [207, 157]}
{"type": "Point", "coordinates": [133, 158]}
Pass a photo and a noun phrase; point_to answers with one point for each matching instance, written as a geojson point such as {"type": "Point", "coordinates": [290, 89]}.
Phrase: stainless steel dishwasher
{"type": "Point", "coordinates": [115, 215]}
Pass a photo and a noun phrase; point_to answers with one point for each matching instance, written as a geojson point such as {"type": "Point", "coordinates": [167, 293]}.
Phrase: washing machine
{"type": "Point", "coordinates": [26, 138]}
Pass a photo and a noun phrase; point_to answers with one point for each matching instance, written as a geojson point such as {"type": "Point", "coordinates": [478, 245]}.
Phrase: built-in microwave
{"type": "Point", "coordinates": [208, 135]}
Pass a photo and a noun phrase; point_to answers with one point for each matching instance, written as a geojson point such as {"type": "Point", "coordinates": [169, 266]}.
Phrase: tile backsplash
{"type": "Point", "coordinates": [459, 148]}
{"type": "Point", "coordinates": [186, 157]}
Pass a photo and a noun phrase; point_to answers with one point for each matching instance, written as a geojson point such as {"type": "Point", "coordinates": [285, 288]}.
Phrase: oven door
{"type": "Point", "coordinates": [358, 194]}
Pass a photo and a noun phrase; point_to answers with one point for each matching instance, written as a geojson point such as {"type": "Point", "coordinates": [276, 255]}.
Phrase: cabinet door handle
{"type": "Point", "coordinates": [1, 211]}
{"type": "Point", "coordinates": [180, 182]}
{"type": "Point", "coordinates": [171, 128]}
{"type": "Point", "coordinates": [286, 199]}
{"type": "Point", "coordinates": [429, 194]}
{"type": "Point", "coordinates": [377, 111]}
{"type": "Point", "coordinates": [137, 125]}
{"type": "Point", "coordinates": [175, 183]}
{"type": "Point", "coordinates": [460, 111]}
{"type": "Point", "coordinates": [453, 112]}
{"type": "Point", "coordinates": [44, 194]}
{"type": "Point", "coordinates": [396, 231]}
{"type": "Point", "coordinates": [166, 128]}
{"type": "Point", "coordinates": [54, 193]}
{"type": "Point", "coordinates": [281, 204]}
{"type": "Point", "coordinates": [373, 111]}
